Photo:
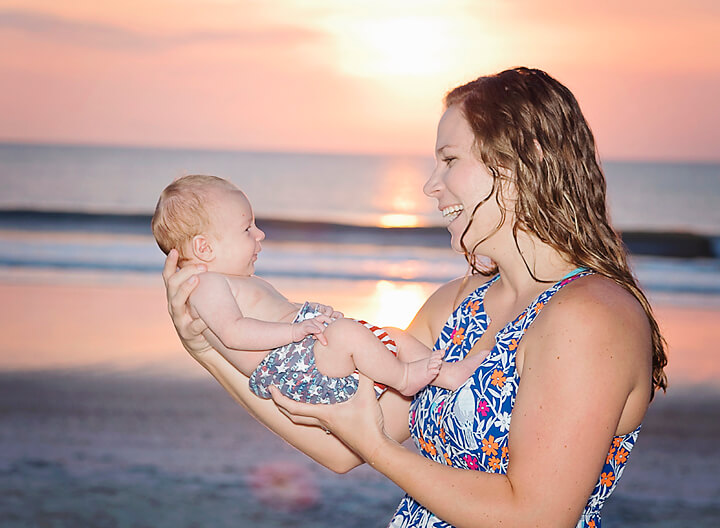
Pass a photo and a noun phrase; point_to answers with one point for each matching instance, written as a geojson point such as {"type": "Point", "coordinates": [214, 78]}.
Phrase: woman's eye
{"type": "Point", "coordinates": [449, 160]}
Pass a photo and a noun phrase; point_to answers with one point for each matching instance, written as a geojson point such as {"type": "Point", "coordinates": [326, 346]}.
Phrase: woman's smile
{"type": "Point", "coordinates": [451, 212]}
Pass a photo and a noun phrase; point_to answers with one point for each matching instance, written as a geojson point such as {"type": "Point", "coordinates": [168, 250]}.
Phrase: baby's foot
{"type": "Point", "coordinates": [419, 373]}
{"type": "Point", "coordinates": [456, 373]}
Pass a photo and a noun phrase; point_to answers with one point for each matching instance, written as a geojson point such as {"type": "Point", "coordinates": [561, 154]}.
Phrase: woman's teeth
{"type": "Point", "coordinates": [452, 212]}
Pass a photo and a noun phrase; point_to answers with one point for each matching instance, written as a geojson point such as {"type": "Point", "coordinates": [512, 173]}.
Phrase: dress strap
{"type": "Point", "coordinates": [525, 319]}
{"type": "Point", "coordinates": [574, 272]}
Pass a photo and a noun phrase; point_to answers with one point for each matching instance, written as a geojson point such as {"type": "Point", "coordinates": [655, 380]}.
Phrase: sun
{"type": "Point", "coordinates": [424, 40]}
{"type": "Point", "coordinates": [407, 46]}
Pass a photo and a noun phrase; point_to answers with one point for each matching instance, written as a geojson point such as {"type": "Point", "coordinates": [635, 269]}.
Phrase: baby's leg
{"type": "Point", "coordinates": [351, 345]}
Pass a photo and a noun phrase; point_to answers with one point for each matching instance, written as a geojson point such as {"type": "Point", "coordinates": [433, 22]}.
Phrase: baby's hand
{"type": "Point", "coordinates": [328, 310]}
{"type": "Point", "coordinates": [313, 327]}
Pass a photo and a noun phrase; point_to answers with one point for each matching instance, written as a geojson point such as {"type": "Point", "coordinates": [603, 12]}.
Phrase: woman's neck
{"type": "Point", "coordinates": [521, 271]}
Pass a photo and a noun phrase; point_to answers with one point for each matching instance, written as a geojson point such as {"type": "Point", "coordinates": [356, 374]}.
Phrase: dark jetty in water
{"type": "Point", "coordinates": [653, 243]}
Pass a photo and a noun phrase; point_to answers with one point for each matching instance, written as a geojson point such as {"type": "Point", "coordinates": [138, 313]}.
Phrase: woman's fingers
{"type": "Point", "coordinates": [170, 267]}
{"type": "Point", "coordinates": [197, 327]}
{"type": "Point", "coordinates": [181, 285]}
{"type": "Point", "coordinates": [298, 412]}
{"type": "Point", "coordinates": [340, 417]}
{"type": "Point", "coordinates": [182, 294]}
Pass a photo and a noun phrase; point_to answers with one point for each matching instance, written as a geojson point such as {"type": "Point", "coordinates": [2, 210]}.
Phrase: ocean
{"type": "Point", "coordinates": [104, 421]}
{"type": "Point", "coordinates": [71, 207]}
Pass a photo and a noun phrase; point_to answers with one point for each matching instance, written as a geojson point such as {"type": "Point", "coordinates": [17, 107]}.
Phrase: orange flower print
{"type": "Point", "coordinates": [473, 306]}
{"type": "Point", "coordinates": [498, 379]}
{"type": "Point", "coordinates": [442, 435]}
{"type": "Point", "coordinates": [617, 442]}
{"type": "Point", "coordinates": [538, 307]}
{"type": "Point", "coordinates": [490, 446]}
{"type": "Point", "coordinates": [610, 455]}
{"type": "Point", "coordinates": [513, 345]}
{"type": "Point", "coordinates": [591, 524]}
{"type": "Point", "coordinates": [505, 451]}
{"type": "Point", "coordinates": [606, 479]}
{"type": "Point", "coordinates": [494, 463]}
{"type": "Point", "coordinates": [458, 336]}
{"type": "Point", "coordinates": [621, 456]}
{"type": "Point", "coordinates": [430, 448]}
{"type": "Point", "coordinates": [447, 459]}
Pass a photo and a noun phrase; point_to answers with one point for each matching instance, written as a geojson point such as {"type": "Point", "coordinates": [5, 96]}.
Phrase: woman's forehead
{"type": "Point", "coordinates": [454, 130]}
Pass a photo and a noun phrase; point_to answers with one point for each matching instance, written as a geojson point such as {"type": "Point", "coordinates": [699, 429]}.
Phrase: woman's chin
{"type": "Point", "coordinates": [456, 233]}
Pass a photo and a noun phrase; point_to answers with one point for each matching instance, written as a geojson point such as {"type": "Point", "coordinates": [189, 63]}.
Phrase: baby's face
{"type": "Point", "coordinates": [236, 237]}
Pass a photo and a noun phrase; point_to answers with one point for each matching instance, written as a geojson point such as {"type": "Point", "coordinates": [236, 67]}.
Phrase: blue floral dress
{"type": "Point", "coordinates": [468, 428]}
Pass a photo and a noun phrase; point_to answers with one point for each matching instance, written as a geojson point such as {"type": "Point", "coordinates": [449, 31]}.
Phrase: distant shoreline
{"type": "Point", "coordinates": [677, 244]}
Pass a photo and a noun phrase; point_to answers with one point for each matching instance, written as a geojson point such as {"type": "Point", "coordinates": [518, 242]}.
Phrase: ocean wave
{"type": "Point", "coordinates": [675, 244]}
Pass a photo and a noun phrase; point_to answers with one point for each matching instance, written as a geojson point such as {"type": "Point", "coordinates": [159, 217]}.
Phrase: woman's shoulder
{"type": "Point", "coordinates": [596, 333]}
{"type": "Point", "coordinates": [596, 304]}
{"type": "Point", "coordinates": [598, 294]}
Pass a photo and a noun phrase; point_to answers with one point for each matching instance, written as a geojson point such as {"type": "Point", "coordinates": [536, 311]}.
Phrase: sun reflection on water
{"type": "Point", "coordinates": [399, 220]}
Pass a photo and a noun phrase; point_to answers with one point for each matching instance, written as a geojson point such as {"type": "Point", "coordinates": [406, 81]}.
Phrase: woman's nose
{"type": "Point", "coordinates": [432, 186]}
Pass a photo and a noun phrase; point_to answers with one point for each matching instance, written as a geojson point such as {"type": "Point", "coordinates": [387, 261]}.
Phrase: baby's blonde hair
{"type": "Point", "coordinates": [182, 211]}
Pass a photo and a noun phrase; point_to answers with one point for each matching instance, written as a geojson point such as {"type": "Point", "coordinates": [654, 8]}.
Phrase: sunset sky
{"type": "Point", "coordinates": [358, 76]}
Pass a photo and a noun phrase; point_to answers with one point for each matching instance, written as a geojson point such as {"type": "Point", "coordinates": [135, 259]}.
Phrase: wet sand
{"type": "Point", "coordinates": [105, 421]}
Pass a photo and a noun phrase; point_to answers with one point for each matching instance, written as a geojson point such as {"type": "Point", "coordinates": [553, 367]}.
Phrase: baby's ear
{"type": "Point", "coordinates": [202, 248]}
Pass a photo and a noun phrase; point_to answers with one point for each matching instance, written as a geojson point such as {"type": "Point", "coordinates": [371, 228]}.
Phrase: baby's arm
{"type": "Point", "coordinates": [214, 302]}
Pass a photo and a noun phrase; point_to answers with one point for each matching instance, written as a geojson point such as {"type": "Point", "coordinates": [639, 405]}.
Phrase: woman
{"type": "Point", "coordinates": [576, 352]}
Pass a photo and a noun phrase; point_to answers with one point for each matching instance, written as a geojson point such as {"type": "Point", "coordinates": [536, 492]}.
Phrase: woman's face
{"type": "Point", "coordinates": [460, 181]}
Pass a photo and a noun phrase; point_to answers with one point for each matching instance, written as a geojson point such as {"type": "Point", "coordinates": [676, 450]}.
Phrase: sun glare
{"type": "Point", "coordinates": [395, 304]}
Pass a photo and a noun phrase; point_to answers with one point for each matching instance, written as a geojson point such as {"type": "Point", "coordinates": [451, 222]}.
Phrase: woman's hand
{"type": "Point", "coordinates": [358, 422]}
{"type": "Point", "coordinates": [179, 284]}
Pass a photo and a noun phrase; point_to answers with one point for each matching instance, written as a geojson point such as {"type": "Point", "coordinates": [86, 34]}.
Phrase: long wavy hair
{"type": "Point", "coordinates": [529, 132]}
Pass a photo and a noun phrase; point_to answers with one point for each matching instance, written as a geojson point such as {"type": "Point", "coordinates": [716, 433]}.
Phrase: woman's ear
{"type": "Point", "coordinates": [202, 248]}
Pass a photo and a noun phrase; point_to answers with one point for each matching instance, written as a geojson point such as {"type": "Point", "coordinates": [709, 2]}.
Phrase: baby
{"type": "Point", "coordinates": [309, 352]}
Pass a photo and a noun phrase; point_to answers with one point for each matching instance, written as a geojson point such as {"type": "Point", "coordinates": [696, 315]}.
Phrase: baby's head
{"type": "Point", "coordinates": [210, 221]}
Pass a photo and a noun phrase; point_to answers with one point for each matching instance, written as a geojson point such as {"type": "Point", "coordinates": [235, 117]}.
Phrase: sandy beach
{"type": "Point", "coordinates": [104, 421]}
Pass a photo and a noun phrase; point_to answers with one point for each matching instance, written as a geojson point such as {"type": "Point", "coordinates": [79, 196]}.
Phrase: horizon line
{"type": "Point", "coordinates": [290, 151]}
